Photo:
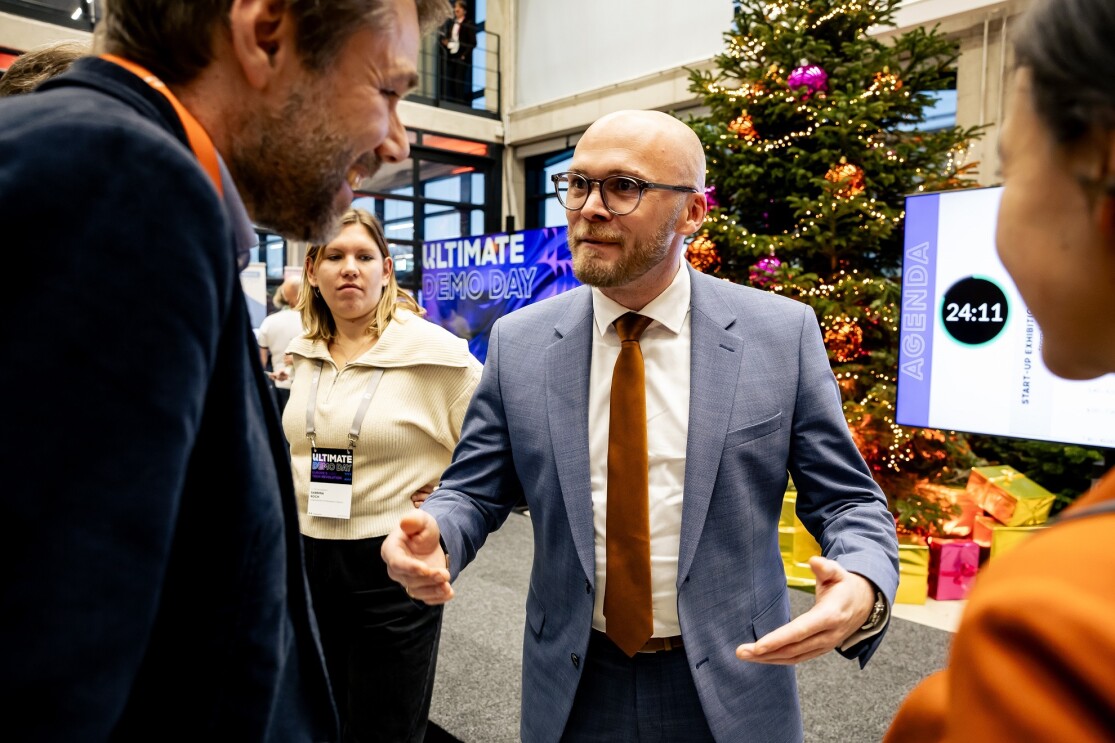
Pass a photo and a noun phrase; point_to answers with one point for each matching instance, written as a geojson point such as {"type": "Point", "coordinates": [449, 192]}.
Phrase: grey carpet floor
{"type": "Point", "coordinates": [476, 694]}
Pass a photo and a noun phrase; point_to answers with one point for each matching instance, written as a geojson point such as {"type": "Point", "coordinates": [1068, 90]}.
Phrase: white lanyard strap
{"type": "Point", "coordinates": [361, 409]}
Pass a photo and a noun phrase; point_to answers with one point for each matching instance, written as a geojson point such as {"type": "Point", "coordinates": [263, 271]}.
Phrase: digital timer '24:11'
{"type": "Point", "coordinates": [974, 311]}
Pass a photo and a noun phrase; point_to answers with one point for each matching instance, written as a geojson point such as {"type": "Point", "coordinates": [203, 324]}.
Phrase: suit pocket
{"type": "Point", "coordinates": [744, 435]}
{"type": "Point", "coordinates": [536, 614]}
{"type": "Point", "coordinates": [772, 617]}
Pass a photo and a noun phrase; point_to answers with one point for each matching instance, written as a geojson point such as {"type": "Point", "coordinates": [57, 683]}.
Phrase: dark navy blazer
{"type": "Point", "coordinates": [151, 580]}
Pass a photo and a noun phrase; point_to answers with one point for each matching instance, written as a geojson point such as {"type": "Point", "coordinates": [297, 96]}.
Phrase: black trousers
{"type": "Point", "coordinates": [380, 645]}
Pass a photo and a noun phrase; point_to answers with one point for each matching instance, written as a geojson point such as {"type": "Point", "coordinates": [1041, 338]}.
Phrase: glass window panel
{"type": "Point", "coordinates": [445, 189]}
{"type": "Point", "coordinates": [554, 214]}
{"type": "Point", "coordinates": [275, 256]}
{"type": "Point", "coordinates": [396, 215]}
{"type": "Point", "coordinates": [477, 227]}
{"type": "Point", "coordinates": [444, 225]}
{"type": "Point", "coordinates": [560, 166]}
{"type": "Point", "coordinates": [476, 186]}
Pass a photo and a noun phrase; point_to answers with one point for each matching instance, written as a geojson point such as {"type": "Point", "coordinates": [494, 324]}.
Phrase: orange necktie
{"type": "Point", "coordinates": [627, 604]}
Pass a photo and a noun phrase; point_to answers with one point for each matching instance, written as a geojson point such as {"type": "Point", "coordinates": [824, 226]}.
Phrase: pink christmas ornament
{"type": "Point", "coordinates": [762, 273]}
{"type": "Point", "coordinates": [710, 197]}
{"type": "Point", "coordinates": [808, 76]}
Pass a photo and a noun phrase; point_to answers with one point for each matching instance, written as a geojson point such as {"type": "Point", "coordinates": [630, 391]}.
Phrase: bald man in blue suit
{"type": "Point", "coordinates": [739, 393]}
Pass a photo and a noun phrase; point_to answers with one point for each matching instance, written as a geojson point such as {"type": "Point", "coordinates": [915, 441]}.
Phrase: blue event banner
{"type": "Point", "coordinates": [470, 282]}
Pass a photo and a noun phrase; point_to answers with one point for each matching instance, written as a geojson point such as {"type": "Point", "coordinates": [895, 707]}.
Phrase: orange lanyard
{"type": "Point", "coordinates": [199, 139]}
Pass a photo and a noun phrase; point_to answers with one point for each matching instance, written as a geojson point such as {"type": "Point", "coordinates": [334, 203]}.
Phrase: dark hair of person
{"type": "Point", "coordinates": [1068, 47]}
{"type": "Point", "coordinates": [32, 68]}
{"type": "Point", "coordinates": [174, 38]}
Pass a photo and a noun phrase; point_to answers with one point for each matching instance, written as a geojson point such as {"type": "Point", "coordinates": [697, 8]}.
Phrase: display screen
{"type": "Point", "coordinates": [970, 351]}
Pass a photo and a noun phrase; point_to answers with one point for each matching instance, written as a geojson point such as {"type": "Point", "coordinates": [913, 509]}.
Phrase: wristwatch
{"type": "Point", "coordinates": [876, 612]}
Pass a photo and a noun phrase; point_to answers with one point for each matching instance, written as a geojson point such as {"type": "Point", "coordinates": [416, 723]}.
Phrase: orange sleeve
{"type": "Point", "coordinates": [1034, 658]}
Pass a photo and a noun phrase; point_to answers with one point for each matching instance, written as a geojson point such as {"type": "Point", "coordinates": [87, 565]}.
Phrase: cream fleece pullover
{"type": "Point", "coordinates": [408, 434]}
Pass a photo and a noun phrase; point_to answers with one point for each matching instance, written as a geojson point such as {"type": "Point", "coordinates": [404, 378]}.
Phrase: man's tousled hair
{"type": "Point", "coordinates": [174, 39]}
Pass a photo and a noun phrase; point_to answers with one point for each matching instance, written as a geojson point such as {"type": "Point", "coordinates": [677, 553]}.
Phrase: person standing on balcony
{"type": "Point", "coordinates": [458, 39]}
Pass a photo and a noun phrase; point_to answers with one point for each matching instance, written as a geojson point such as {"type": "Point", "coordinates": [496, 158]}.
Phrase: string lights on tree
{"type": "Point", "coordinates": [815, 134]}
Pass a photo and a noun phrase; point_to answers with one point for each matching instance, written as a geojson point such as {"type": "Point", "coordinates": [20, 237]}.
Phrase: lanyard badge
{"type": "Point", "coordinates": [331, 469]}
{"type": "Point", "coordinates": [330, 483]}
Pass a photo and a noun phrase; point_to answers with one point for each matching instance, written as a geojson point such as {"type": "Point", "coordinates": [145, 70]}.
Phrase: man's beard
{"type": "Point", "coordinates": [290, 166]}
{"type": "Point", "coordinates": [634, 261]}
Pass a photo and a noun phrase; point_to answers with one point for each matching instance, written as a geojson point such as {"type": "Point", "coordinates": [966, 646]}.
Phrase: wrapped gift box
{"type": "Point", "coordinates": [913, 571]}
{"type": "Point", "coordinates": [1006, 538]}
{"type": "Point", "coordinates": [1008, 495]}
{"type": "Point", "coordinates": [805, 546]}
{"type": "Point", "coordinates": [996, 539]}
{"type": "Point", "coordinates": [799, 575]}
{"type": "Point", "coordinates": [789, 506]}
{"type": "Point", "coordinates": [952, 567]}
{"type": "Point", "coordinates": [959, 525]}
{"type": "Point", "coordinates": [786, 543]}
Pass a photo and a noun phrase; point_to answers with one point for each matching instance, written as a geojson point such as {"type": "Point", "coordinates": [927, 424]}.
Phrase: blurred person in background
{"type": "Point", "coordinates": [33, 67]}
{"type": "Point", "coordinates": [274, 335]}
{"type": "Point", "coordinates": [374, 415]}
{"type": "Point", "coordinates": [1034, 657]}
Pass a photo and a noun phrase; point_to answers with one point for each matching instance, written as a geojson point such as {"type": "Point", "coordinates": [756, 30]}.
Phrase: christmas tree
{"type": "Point", "coordinates": [815, 135]}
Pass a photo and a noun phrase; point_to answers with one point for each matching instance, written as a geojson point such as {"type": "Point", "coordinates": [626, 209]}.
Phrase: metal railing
{"type": "Point", "coordinates": [476, 91]}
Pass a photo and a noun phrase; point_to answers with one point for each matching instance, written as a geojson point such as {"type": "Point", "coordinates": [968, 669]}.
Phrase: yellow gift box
{"type": "Point", "coordinates": [799, 574]}
{"type": "Point", "coordinates": [1008, 495]}
{"type": "Point", "coordinates": [795, 542]}
{"type": "Point", "coordinates": [1006, 538]}
{"type": "Point", "coordinates": [805, 546]}
{"type": "Point", "coordinates": [913, 571]}
{"type": "Point", "coordinates": [998, 539]}
{"type": "Point", "coordinates": [789, 508]}
{"type": "Point", "coordinates": [786, 543]}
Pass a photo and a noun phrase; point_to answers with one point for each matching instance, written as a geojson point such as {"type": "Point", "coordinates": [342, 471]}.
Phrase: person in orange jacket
{"type": "Point", "coordinates": [1034, 656]}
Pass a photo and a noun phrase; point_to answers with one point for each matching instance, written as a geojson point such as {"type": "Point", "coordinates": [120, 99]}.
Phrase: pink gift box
{"type": "Point", "coordinates": [952, 568]}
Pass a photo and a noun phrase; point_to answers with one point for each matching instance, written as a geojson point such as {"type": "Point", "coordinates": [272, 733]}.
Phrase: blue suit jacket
{"type": "Point", "coordinates": [763, 403]}
{"type": "Point", "coordinates": [151, 582]}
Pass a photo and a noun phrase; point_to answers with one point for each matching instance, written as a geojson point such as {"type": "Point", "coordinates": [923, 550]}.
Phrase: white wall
{"type": "Point", "coordinates": [564, 47]}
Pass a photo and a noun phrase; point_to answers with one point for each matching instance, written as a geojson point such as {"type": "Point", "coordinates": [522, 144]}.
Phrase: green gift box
{"type": "Point", "coordinates": [913, 571]}
{"type": "Point", "coordinates": [1008, 495]}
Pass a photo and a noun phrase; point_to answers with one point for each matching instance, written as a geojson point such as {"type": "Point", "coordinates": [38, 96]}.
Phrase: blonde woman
{"type": "Point", "coordinates": [374, 414]}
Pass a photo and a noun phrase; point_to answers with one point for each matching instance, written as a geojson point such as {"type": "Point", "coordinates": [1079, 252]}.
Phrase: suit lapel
{"type": "Point", "coordinates": [714, 368]}
{"type": "Point", "coordinates": [567, 375]}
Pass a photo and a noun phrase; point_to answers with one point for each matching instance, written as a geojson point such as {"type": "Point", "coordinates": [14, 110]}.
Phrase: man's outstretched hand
{"type": "Point", "coordinates": [844, 601]}
{"type": "Point", "coordinates": [416, 560]}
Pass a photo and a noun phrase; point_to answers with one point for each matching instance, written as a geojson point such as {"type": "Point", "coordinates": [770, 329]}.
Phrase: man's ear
{"type": "Point", "coordinates": [693, 216]}
{"type": "Point", "coordinates": [262, 38]}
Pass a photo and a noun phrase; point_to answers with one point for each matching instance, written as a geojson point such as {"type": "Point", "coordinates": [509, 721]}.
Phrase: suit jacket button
{"type": "Point", "coordinates": [576, 660]}
{"type": "Point", "coordinates": [588, 586]}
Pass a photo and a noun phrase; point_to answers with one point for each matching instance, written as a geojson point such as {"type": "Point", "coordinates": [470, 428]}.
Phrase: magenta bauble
{"type": "Point", "coordinates": [808, 76]}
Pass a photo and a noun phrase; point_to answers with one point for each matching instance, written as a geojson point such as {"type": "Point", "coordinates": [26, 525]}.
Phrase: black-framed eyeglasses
{"type": "Point", "coordinates": [621, 193]}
